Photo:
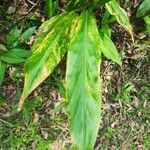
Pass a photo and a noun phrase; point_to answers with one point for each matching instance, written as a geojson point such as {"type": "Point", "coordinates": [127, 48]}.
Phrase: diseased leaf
{"type": "Point", "coordinates": [2, 71]}
{"type": "Point", "coordinates": [108, 48]}
{"type": "Point", "coordinates": [48, 50]}
{"type": "Point", "coordinates": [47, 28]}
{"type": "Point", "coordinates": [144, 8]}
{"type": "Point", "coordinates": [82, 87]}
{"type": "Point", "coordinates": [121, 16]}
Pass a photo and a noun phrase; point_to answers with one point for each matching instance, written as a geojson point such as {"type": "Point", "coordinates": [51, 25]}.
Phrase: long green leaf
{"type": "Point", "coordinates": [12, 60]}
{"type": "Point", "coordinates": [48, 50]}
{"type": "Point", "coordinates": [108, 48]}
{"type": "Point", "coordinates": [121, 16]}
{"type": "Point", "coordinates": [143, 9]}
{"type": "Point", "coordinates": [82, 87]}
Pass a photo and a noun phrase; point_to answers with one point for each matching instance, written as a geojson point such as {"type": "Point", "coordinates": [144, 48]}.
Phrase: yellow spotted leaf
{"type": "Point", "coordinates": [119, 13]}
{"type": "Point", "coordinates": [48, 50]}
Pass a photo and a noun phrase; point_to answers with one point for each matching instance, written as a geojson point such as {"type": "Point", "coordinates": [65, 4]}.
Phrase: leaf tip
{"type": "Point", "coordinates": [20, 105]}
{"type": "Point", "coordinates": [120, 63]}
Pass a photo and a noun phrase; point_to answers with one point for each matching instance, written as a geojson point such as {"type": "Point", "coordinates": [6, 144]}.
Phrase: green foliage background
{"type": "Point", "coordinates": [42, 124]}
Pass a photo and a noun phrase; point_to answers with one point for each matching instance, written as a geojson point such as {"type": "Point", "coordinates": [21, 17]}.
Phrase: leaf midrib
{"type": "Point", "coordinates": [84, 73]}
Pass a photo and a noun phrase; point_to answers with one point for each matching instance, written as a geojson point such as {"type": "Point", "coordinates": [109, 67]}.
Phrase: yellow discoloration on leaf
{"type": "Point", "coordinates": [120, 14]}
{"type": "Point", "coordinates": [48, 49]}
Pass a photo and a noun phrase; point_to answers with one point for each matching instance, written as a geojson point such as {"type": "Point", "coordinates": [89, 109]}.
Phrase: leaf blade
{"type": "Point", "coordinates": [15, 56]}
{"type": "Point", "coordinates": [82, 87]}
{"type": "Point", "coordinates": [143, 9]}
{"type": "Point", "coordinates": [48, 51]}
{"type": "Point", "coordinates": [26, 35]}
{"type": "Point", "coordinates": [114, 9]}
{"type": "Point", "coordinates": [13, 36]}
{"type": "Point", "coordinates": [109, 49]}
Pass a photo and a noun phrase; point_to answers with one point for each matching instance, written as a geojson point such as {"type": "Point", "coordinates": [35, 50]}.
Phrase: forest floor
{"type": "Point", "coordinates": [125, 123]}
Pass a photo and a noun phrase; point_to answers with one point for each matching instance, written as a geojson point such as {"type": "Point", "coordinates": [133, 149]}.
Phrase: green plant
{"type": "Point", "coordinates": [19, 135]}
{"type": "Point", "coordinates": [82, 40]}
{"type": "Point", "coordinates": [51, 8]}
{"type": "Point", "coordinates": [147, 21]}
{"type": "Point", "coordinates": [143, 11]}
{"type": "Point", "coordinates": [147, 141]}
{"type": "Point", "coordinates": [13, 53]}
{"type": "Point", "coordinates": [124, 95]}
